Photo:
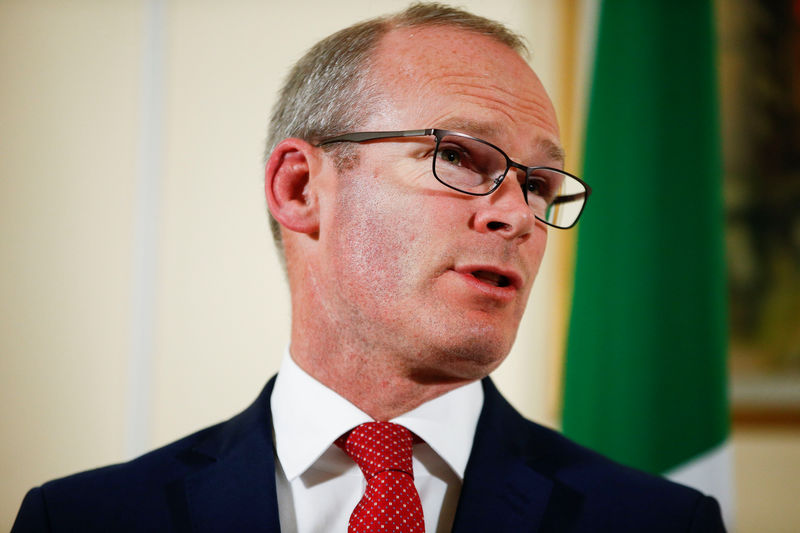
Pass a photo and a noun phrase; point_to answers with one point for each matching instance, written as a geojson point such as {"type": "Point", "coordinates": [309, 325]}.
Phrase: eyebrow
{"type": "Point", "coordinates": [472, 127]}
{"type": "Point", "coordinates": [482, 129]}
{"type": "Point", "coordinates": [553, 150]}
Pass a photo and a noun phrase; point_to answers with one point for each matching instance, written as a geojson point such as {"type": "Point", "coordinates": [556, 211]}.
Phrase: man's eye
{"type": "Point", "coordinates": [539, 187]}
{"type": "Point", "coordinates": [451, 156]}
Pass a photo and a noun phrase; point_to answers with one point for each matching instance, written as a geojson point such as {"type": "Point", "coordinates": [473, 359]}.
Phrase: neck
{"type": "Point", "coordinates": [362, 376]}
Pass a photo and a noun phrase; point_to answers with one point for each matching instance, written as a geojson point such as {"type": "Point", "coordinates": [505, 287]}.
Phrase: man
{"type": "Point", "coordinates": [411, 243]}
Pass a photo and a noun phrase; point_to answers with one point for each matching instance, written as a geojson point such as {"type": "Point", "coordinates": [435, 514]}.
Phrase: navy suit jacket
{"type": "Point", "coordinates": [521, 477]}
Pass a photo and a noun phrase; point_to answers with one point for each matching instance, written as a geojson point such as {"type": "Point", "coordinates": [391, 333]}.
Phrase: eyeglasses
{"type": "Point", "coordinates": [476, 167]}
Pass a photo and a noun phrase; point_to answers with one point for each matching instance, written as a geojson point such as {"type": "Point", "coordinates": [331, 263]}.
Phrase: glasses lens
{"type": "Point", "coordinates": [555, 197]}
{"type": "Point", "coordinates": [468, 165]}
{"type": "Point", "coordinates": [475, 167]}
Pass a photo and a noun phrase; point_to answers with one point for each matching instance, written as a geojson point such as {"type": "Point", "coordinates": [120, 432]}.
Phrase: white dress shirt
{"type": "Point", "coordinates": [318, 485]}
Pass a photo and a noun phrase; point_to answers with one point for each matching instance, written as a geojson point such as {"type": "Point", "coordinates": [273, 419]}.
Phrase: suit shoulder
{"type": "Point", "coordinates": [137, 490]}
{"type": "Point", "coordinates": [146, 493]}
{"type": "Point", "coordinates": [624, 497]}
{"type": "Point", "coordinates": [610, 496]}
{"type": "Point", "coordinates": [570, 461]}
{"type": "Point", "coordinates": [155, 466]}
{"type": "Point", "coordinates": [556, 456]}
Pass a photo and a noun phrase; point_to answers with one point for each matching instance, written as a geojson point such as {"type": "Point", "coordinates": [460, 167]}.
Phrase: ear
{"type": "Point", "coordinates": [286, 185]}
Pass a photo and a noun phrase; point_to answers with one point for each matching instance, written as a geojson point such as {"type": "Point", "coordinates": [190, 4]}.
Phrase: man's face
{"type": "Point", "coordinates": [433, 280]}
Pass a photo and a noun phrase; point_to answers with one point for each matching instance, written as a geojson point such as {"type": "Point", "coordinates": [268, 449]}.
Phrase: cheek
{"type": "Point", "coordinates": [375, 240]}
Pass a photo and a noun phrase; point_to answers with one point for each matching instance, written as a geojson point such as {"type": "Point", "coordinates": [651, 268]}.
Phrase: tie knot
{"type": "Point", "coordinates": [378, 447]}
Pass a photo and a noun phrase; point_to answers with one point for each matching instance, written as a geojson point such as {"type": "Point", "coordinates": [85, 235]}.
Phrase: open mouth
{"type": "Point", "coordinates": [492, 278]}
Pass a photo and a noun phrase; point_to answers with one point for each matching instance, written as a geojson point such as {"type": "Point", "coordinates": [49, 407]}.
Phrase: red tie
{"type": "Point", "coordinates": [391, 503]}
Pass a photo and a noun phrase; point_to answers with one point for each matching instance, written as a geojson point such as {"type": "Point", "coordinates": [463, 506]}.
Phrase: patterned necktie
{"type": "Point", "coordinates": [390, 503]}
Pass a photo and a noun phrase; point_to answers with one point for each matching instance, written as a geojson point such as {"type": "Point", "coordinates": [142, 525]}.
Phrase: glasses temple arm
{"type": "Point", "coordinates": [569, 198]}
{"type": "Point", "coordinates": [373, 135]}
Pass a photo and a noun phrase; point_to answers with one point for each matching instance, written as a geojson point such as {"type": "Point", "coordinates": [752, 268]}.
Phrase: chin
{"type": "Point", "coordinates": [471, 354]}
{"type": "Point", "coordinates": [472, 360]}
{"type": "Point", "coordinates": [484, 356]}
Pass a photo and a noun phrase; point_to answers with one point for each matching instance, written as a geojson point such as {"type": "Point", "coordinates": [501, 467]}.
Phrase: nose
{"type": "Point", "coordinates": [505, 211]}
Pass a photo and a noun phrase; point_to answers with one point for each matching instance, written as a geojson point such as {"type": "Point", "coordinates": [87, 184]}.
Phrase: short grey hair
{"type": "Point", "coordinates": [330, 90]}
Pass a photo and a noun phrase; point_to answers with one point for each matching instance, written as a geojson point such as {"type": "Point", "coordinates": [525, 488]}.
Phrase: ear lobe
{"type": "Point", "coordinates": [286, 185]}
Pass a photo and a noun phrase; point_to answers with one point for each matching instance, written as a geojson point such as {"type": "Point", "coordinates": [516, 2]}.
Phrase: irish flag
{"type": "Point", "coordinates": [645, 378]}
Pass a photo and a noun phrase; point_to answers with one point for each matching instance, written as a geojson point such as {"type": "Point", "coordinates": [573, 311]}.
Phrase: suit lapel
{"type": "Point", "coordinates": [235, 491]}
{"type": "Point", "coordinates": [502, 497]}
{"type": "Point", "coordinates": [507, 485]}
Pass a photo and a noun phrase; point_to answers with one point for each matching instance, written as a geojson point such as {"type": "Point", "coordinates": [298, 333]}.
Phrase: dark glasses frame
{"type": "Point", "coordinates": [439, 134]}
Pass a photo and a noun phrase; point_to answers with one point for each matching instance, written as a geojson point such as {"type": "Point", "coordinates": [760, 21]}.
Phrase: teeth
{"type": "Point", "coordinates": [492, 278]}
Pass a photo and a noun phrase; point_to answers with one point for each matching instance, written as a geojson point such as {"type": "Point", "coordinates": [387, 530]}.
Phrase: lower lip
{"type": "Point", "coordinates": [503, 294]}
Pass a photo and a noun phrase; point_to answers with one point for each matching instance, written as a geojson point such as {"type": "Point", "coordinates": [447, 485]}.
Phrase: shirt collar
{"type": "Point", "coordinates": [308, 417]}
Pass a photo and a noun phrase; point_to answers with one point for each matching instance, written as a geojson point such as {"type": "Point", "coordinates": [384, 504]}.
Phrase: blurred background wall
{"type": "Point", "coordinates": [140, 295]}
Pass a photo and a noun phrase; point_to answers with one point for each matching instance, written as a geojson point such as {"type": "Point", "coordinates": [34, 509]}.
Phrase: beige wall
{"type": "Point", "coordinates": [80, 384]}
{"type": "Point", "coordinates": [767, 463]}
{"type": "Point", "coordinates": [67, 130]}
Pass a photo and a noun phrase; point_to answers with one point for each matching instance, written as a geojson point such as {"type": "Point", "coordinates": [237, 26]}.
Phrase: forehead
{"type": "Point", "coordinates": [451, 78]}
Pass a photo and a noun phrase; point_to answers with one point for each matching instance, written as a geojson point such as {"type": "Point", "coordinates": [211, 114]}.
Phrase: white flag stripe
{"type": "Point", "coordinates": [711, 473]}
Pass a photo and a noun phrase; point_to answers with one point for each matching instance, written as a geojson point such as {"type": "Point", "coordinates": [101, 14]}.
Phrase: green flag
{"type": "Point", "coordinates": [645, 378]}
